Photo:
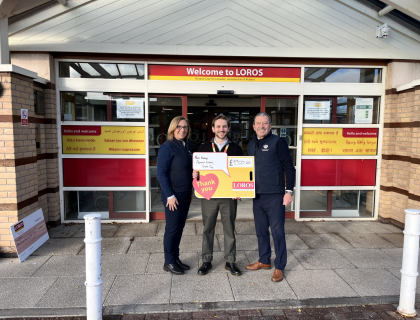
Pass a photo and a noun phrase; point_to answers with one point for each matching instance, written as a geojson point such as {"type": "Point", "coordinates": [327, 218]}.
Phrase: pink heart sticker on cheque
{"type": "Point", "coordinates": [207, 185]}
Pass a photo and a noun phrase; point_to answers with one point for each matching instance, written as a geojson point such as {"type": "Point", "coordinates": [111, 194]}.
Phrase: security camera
{"type": "Point", "coordinates": [383, 31]}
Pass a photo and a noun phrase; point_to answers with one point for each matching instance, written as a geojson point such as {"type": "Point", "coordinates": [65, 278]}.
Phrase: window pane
{"type": "Point", "coordinates": [343, 75]}
{"type": "Point", "coordinates": [101, 70]}
{"type": "Point", "coordinates": [129, 201]}
{"type": "Point", "coordinates": [337, 203]}
{"type": "Point", "coordinates": [348, 110]}
{"type": "Point", "coordinates": [79, 203]}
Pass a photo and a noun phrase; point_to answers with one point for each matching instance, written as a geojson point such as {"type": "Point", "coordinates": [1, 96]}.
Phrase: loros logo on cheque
{"type": "Point", "coordinates": [238, 186]}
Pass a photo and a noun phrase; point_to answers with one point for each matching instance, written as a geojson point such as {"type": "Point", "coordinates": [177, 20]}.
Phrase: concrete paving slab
{"type": "Point", "coordinates": [23, 292]}
{"type": "Point", "coordinates": [297, 227]}
{"type": "Point", "coordinates": [137, 230]}
{"type": "Point", "coordinates": [70, 246]}
{"type": "Point", "coordinates": [113, 264]}
{"type": "Point", "coordinates": [396, 254]}
{"type": "Point", "coordinates": [292, 262]}
{"type": "Point", "coordinates": [108, 230]}
{"type": "Point", "coordinates": [63, 266]}
{"type": "Point", "coordinates": [194, 244]}
{"type": "Point", "coordinates": [397, 274]}
{"type": "Point", "coordinates": [71, 292]}
{"type": "Point", "coordinates": [293, 242]}
{"type": "Point", "coordinates": [243, 242]}
{"type": "Point", "coordinates": [325, 241]}
{"type": "Point", "coordinates": [397, 239]}
{"type": "Point", "coordinates": [12, 268]}
{"type": "Point", "coordinates": [113, 245]}
{"type": "Point", "coordinates": [369, 258]}
{"type": "Point", "coordinates": [365, 227]}
{"type": "Point", "coordinates": [146, 244]}
{"type": "Point", "coordinates": [332, 227]}
{"type": "Point", "coordinates": [140, 289]}
{"type": "Point", "coordinates": [65, 231]}
{"type": "Point", "coordinates": [245, 227]}
{"type": "Point", "coordinates": [253, 286]}
{"type": "Point", "coordinates": [322, 259]}
{"type": "Point", "coordinates": [318, 284]}
{"type": "Point", "coordinates": [218, 230]}
{"type": "Point", "coordinates": [157, 260]}
{"type": "Point", "coordinates": [390, 227]}
{"type": "Point", "coordinates": [209, 288]}
{"type": "Point", "coordinates": [371, 282]}
{"type": "Point", "coordinates": [366, 240]}
{"type": "Point", "coordinates": [219, 262]}
{"type": "Point", "coordinates": [189, 229]}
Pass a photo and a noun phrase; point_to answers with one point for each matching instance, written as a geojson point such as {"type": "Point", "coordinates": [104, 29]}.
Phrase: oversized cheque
{"type": "Point", "coordinates": [222, 176]}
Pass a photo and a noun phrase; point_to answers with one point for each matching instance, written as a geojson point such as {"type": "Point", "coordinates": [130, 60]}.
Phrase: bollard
{"type": "Point", "coordinates": [410, 261]}
{"type": "Point", "coordinates": [93, 266]}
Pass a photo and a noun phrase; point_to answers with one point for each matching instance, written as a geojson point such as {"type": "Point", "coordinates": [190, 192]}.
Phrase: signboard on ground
{"type": "Point", "coordinates": [222, 176]}
{"type": "Point", "coordinates": [340, 141]}
{"type": "Point", "coordinates": [29, 234]}
{"type": "Point", "coordinates": [103, 140]}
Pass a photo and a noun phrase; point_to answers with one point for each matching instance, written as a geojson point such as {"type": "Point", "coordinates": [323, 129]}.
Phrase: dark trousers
{"type": "Point", "coordinates": [210, 210]}
{"type": "Point", "coordinates": [269, 211]}
{"type": "Point", "coordinates": [175, 222]}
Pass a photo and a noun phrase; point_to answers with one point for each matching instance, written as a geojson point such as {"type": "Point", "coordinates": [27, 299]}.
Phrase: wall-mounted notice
{"type": "Point", "coordinates": [29, 234]}
{"type": "Point", "coordinates": [317, 110]}
{"type": "Point", "coordinates": [130, 109]}
{"type": "Point", "coordinates": [222, 176]}
{"type": "Point", "coordinates": [24, 117]}
{"type": "Point", "coordinates": [103, 140]}
{"type": "Point", "coordinates": [340, 141]}
{"type": "Point", "coordinates": [364, 110]}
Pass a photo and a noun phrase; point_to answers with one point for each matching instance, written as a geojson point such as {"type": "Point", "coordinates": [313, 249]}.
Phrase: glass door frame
{"type": "Point", "coordinates": [289, 214]}
{"type": "Point", "coordinates": [160, 215]}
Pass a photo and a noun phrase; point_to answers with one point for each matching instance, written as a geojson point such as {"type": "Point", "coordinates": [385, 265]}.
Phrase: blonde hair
{"type": "Point", "coordinates": [174, 123]}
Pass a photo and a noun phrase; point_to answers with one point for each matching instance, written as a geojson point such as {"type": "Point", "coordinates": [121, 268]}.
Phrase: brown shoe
{"type": "Point", "coordinates": [258, 265]}
{"type": "Point", "coordinates": [277, 275]}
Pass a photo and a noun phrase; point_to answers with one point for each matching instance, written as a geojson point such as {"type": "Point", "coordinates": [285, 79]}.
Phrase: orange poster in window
{"type": "Point", "coordinates": [340, 141]}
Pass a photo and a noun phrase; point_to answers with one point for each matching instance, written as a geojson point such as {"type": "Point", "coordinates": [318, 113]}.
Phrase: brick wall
{"type": "Point", "coordinates": [400, 170]}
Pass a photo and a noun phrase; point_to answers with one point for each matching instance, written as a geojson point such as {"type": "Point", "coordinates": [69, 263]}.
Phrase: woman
{"type": "Point", "coordinates": [174, 169]}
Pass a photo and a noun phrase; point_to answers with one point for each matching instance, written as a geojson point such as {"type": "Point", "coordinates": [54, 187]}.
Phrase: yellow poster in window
{"type": "Point", "coordinates": [222, 176]}
{"type": "Point", "coordinates": [103, 140]}
{"type": "Point", "coordinates": [340, 141]}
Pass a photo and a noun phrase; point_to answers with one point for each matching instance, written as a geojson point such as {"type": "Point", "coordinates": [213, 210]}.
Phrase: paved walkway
{"type": "Point", "coordinates": [329, 264]}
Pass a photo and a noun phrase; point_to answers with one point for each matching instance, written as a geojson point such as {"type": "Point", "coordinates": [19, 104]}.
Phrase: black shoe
{"type": "Point", "coordinates": [182, 265]}
{"type": "Point", "coordinates": [173, 268]}
{"type": "Point", "coordinates": [205, 267]}
{"type": "Point", "coordinates": [233, 269]}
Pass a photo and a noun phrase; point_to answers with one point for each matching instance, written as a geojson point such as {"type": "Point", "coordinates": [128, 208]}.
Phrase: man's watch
{"type": "Point", "coordinates": [289, 192]}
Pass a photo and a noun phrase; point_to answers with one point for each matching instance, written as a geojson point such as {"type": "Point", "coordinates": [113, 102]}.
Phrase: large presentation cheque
{"type": "Point", "coordinates": [222, 176]}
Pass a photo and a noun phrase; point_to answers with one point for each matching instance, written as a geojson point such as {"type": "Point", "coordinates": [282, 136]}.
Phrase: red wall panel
{"type": "Point", "coordinates": [338, 172]}
{"type": "Point", "coordinates": [104, 172]}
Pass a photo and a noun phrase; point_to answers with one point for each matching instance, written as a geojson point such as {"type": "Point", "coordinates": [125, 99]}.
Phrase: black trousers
{"type": "Point", "coordinates": [175, 222]}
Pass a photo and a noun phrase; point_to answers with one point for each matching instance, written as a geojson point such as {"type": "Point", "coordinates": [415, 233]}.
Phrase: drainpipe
{"type": "Point", "coordinates": [410, 262]}
{"type": "Point", "coordinates": [93, 266]}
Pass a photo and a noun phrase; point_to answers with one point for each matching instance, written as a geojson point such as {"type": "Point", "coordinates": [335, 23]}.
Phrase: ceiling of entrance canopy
{"type": "Point", "coordinates": [271, 28]}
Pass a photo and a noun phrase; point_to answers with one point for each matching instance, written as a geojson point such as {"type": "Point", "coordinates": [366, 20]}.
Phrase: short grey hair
{"type": "Point", "coordinates": [263, 114]}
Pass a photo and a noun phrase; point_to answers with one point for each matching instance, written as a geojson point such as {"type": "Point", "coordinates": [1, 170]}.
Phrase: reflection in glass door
{"type": "Point", "coordinates": [283, 111]}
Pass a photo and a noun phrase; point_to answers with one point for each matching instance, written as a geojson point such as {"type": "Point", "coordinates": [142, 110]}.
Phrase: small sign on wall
{"type": "Point", "coordinates": [24, 117]}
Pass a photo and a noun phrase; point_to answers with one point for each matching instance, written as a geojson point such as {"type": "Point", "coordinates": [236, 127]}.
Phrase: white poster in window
{"type": "Point", "coordinates": [317, 110]}
{"type": "Point", "coordinates": [364, 110]}
{"type": "Point", "coordinates": [130, 109]}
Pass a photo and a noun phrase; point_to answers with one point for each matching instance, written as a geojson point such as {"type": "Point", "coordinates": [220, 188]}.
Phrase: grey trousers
{"type": "Point", "coordinates": [210, 209]}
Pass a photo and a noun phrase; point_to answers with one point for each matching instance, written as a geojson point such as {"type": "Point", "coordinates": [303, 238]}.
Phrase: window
{"type": "Point", "coordinates": [341, 110]}
{"type": "Point", "coordinates": [343, 75]}
{"type": "Point", "coordinates": [95, 106]}
{"type": "Point", "coordinates": [39, 102]}
{"type": "Point", "coordinates": [93, 70]}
